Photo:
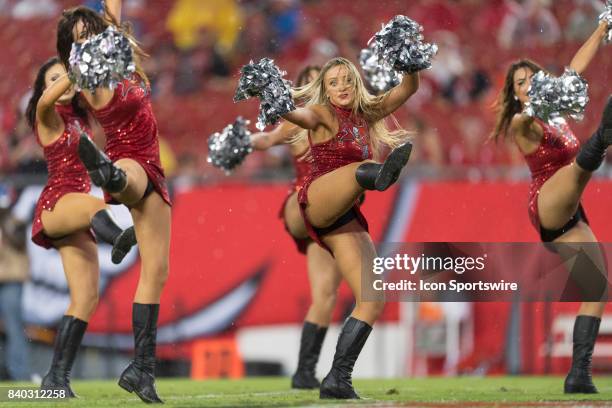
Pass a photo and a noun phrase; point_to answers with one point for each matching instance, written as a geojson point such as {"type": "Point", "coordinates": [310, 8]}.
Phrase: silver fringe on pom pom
{"type": "Point", "coordinates": [400, 44]}
{"type": "Point", "coordinates": [265, 81]}
{"type": "Point", "coordinates": [551, 98]}
{"type": "Point", "coordinates": [607, 17]}
{"type": "Point", "coordinates": [380, 76]}
{"type": "Point", "coordinates": [103, 60]}
{"type": "Point", "coordinates": [228, 148]}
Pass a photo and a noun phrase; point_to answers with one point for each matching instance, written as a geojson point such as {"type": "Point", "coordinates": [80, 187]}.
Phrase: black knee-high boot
{"type": "Point", "coordinates": [101, 169]}
{"type": "Point", "coordinates": [579, 378]}
{"type": "Point", "coordinates": [139, 376]}
{"type": "Point", "coordinates": [593, 151]}
{"type": "Point", "coordinates": [310, 349]}
{"type": "Point", "coordinates": [338, 383]}
{"type": "Point", "coordinates": [107, 230]}
{"type": "Point", "coordinates": [67, 341]}
{"type": "Point", "coordinates": [374, 176]}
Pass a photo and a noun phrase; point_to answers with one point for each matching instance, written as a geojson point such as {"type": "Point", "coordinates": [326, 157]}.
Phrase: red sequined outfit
{"type": "Point", "coordinates": [66, 172]}
{"type": "Point", "coordinates": [302, 164]}
{"type": "Point", "coordinates": [557, 149]}
{"type": "Point", "coordinates": [350, 145]}
{"type": "Point", "coordinates": [131, 131]}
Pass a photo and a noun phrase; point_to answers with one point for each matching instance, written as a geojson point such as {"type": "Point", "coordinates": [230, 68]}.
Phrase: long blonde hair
{"type": "Point", "coordinates": [365, 105]}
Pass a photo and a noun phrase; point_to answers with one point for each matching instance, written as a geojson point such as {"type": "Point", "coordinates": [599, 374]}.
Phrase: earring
{"type": "Point", "coordinates": [516, 98]}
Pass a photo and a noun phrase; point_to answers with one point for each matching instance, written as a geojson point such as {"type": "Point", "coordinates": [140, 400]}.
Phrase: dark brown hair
{"type": "Point", "coordinates": [38, 89]}
{"type": "Point", "coordinates": [507, 105]}
{"type": "Point", "coordinates": [302, 78]}
{"type": "Point", "coordinates": [94, 23]}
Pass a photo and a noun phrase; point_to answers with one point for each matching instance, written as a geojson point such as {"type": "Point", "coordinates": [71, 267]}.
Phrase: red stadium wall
{"type": "Point", "coordinates": [497, 212]}
{"type": "Point", "coordinates": [222, 235]}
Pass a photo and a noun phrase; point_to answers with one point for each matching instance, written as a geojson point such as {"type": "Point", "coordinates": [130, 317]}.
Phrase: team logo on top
{"type": "Point", "coordinates": [73, 128]}
{"type": "Point", "coordinates": [135, 84]}
{"type": "Point", "coordinates": [351, 134]}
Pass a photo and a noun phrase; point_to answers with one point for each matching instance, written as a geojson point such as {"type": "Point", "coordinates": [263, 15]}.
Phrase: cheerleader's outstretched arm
{"type": "Point", "coordinates": [587, 52]}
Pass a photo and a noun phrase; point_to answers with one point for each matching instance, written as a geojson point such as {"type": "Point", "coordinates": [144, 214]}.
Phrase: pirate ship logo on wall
{"type": "Point", "coordinates": [188, 314]}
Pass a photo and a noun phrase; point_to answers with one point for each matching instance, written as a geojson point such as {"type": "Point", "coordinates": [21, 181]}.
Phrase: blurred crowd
{"type": "Point", "coordinates": [197, 47]}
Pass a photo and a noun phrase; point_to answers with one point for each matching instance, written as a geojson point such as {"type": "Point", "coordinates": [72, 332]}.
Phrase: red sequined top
{"type": "Point", "coordinates": [66, 172]}
{"type": "Point", "coordinates": [557, 149]}
{"type": "Point", "coordinates": [350, 145]}
{"type": "Point", "coordinates": [131, 130]}
{"type": "Point", "coordinates": [302, 164]}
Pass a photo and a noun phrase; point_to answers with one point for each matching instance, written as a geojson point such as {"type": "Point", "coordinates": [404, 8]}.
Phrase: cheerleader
{"type": "Point", "coordinates": [560, 171]}
{"type": "Point", "coordinates": [66, 213]}
{"type": "Point", "coordinates": [345, 128]}
{"type": "Point", "coordinates": [323, 275]}
{"type": "Point", "coordinates": [131, 174]}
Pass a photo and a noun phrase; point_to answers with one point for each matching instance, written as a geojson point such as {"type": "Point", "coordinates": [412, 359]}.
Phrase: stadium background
{"type": "Point", "coordinates": [235, 277]}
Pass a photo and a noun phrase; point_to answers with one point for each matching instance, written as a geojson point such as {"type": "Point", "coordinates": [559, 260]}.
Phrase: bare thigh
{"type": "Point", "coordinates": [293, 218]}
{"type": "Point", "coordinates": [72, 213]}
{"type": "Point", "coordinates": [332, 195]}
{"type": "Point", "coordinates": [152, 223]}
{"type": "Point", "coordinates": [560, 196]}
{"type": "Point", "coordinates": [354, 253]}
{"type": "Point", "coordinates": [352, 248]}
{"type": "Point", "coordinates": [137, 181]}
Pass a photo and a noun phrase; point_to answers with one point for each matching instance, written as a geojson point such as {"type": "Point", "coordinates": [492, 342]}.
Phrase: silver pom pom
{"type": "Point", "coordinates": [380, 76]}
{"type": "Point", "coordinates": [551, 98]}
{"type": "Point", "coordinates": [606, 17]}
{"type": "Point", "coordinates": [228, 148]}
{"type": "Point", "coordinates": [400, 44]}
{"type": "Point", "coordinates": [103, 60]}
{"type": "Point", "coordinates": [265, 81]}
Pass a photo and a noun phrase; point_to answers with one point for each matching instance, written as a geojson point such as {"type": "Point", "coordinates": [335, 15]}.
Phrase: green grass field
{"type": "Point", "coordinates": [275, 392]}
